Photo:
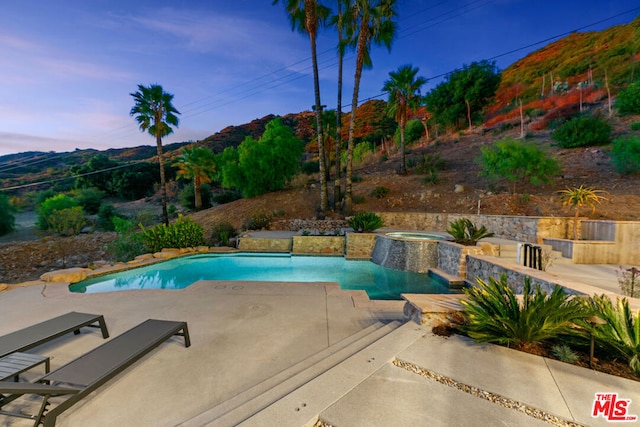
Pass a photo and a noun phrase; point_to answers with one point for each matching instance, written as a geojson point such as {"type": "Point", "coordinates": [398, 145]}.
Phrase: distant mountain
{"type": "Point", "coordinates": [552, 77]}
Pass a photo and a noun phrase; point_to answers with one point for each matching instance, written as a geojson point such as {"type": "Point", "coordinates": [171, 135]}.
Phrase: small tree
{"type": "Point", "coordinates": [517, 162]}
{"type": "Point", "coordinates": [576, 198]}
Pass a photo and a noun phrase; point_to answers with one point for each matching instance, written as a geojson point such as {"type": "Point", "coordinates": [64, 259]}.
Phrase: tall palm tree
{"type": "Point", "coordinates": [368, 21]}
{"type": "Point", "coordinates": [154, 113]}
{"type": "Point", "coordinates": [403, 88]}
{"type": "Point", "coordinates": [576, 198]}
{"type": "Point", "coordinates": [199, 164]}
{"type": "Point", "coordinates": [339, 21]}
{"type": "Point", "coordinates": [306, 16]}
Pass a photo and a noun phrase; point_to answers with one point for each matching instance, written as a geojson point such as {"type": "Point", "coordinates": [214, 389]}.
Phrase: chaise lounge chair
{"type": "Point", "coordinates": [37, 334]}
{"type": "Point", "coordinates": [83, 375]}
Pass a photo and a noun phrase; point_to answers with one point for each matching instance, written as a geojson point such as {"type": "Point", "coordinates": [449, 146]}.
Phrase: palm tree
{"type": "Point", "coordinates": [306, 16]}
{"type": "Point", "coordinates": [154, 113]}
{"type": "Point", "coordinates": [404, 95]}
{"type": "Point", "coordinates": [197, 163]}
{"type": "Point", "coordinates": [339, 21]}
{"type": "Point", "coordinates": [576, 198]}
{"type": "Point", "coordinates": [367, 21]}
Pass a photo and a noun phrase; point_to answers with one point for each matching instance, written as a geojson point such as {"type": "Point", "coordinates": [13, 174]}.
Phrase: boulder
{"type": "Point", "coordinates": [69, 275]}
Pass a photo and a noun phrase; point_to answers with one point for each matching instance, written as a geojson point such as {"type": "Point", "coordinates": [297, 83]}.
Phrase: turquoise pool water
{"type": "Point", "coordinates": [379, 282]}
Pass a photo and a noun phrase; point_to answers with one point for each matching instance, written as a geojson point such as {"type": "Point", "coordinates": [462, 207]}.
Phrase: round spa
{"type": "Point", "coordinates": [407, 250]}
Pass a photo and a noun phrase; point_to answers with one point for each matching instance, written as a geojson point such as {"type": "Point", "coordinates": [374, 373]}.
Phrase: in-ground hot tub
{"type": "Point", "coordinates": [416, 235]}
{"type": "Point", "coordinates": [407, 250]}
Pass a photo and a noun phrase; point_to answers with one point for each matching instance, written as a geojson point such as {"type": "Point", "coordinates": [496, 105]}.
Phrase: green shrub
{"type": "Point", "coordinates": [67, 222]}
{"type": "Point", "coordinates": [365, 222]}
{"type": "Point", "coordinates": [43, 195]}
{"type": "Point", "coordinates": [106, 213]}
{"type": "Point", "coordinates": [466, 232]}
{"type": "Point", "coordinates": [412, 132]}
{"type": "Point", "coordinates": [635, 126]}
{"type": "Point", "coordinates": [493, 314]}
{"type": "Point", "coordinates": [129, 243]}
{"type": "Point", "coordinates": [582, 131]}
{"type": "Point", "coordinates": [621, 331]}
{"type": "Point", "coordinates": [628, 100]}
{"type": "Point", "coordinates": [221, 233]}
{"type": "Point", "coordinates": [183, 233]}
{"type": "Point", "coordinates": [357, 178]}
{"type": "Point", "coordinates": [7, 219]}
{"type": "Point", "coordinates": [47, 209]}
{"type": "Point", "coordinates": [260, 219]}
{"type": "Point", "coordinates": [361, 152]}
{"type": "Point", "coordinates": [90, 199]}
{"type": "Point", "coordinates": [625, 154]}
{"type": "Point", "coordinates": [379, 192]}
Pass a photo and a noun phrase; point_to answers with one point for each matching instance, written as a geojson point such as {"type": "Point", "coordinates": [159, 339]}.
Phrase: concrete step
{"type": "Point", "coordinates": [304, 405]}
{"type": "Point", "coordinates": [244, 405]}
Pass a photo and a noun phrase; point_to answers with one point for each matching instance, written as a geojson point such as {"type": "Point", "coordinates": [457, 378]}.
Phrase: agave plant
{"type": "Point", "coordinates": [466, 233]}
{"type": "Point", "coordinates": [494, 314]}
{"type": "Point", "coordinates": [365, 222]}
{"type": "Point", "coordinates": [621, 332]}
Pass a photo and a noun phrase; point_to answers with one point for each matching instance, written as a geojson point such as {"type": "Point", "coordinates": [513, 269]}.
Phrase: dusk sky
{"type": "Point", "coordinates": [67, 67]}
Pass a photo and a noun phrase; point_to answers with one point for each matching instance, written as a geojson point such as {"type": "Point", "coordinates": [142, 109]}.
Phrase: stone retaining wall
{"type": "Point", "coordinates": [318, 245]}
{"type": "Point", "coordinates": [521, 228]}
{"type": "Point", "coordinates": [253, 244]}
{"type": "Point", "coordinates": [484, 267]}
{"type": "Point", "coordinates": [452, 257]}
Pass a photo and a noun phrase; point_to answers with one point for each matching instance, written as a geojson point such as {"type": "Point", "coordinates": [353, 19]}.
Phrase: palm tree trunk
{"type": "Point", "coordinates": [197, 191]}
{"type": "Point", "coordinates": [163, 181]}
{"type": "Point", "coordinates": [362, 37]}
{"type": "Point", "coordinates": [336, 183]}
{"type": "Point", "coordinates": [324, 199]}
{"type": "Point", "coordinates": [403, 167]}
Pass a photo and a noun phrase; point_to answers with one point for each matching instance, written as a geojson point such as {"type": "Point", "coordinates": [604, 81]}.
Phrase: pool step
{"type": "Point", "coordinates": [244, 405]}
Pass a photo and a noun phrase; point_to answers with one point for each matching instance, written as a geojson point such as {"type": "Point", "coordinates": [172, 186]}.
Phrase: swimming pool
{"type": "Point", "coordinates": [379, 282]}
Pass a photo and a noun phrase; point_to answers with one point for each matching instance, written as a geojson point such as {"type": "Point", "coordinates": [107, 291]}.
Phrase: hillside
{"type": "Point", "coordinates": [409, 193]}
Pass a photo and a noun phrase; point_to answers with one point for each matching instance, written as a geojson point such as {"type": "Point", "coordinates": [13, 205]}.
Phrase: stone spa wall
{"type": "Point", "coordinates": [524, 229]}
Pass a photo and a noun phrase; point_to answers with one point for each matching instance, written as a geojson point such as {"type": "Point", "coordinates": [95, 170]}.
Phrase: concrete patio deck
{"type": "Point", "coordinates": [244, 333]}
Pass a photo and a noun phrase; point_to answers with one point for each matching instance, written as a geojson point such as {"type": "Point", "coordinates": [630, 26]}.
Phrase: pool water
{"type": "Point", "coordinates": [379, 282]}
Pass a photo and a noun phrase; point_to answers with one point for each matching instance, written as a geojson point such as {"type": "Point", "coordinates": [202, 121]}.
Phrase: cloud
{"type": "Point", "coordinates": [226, 35]}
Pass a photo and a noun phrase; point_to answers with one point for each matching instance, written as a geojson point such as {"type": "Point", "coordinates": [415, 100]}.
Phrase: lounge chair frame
{"type": "Point", "coordinates": [40, 333]}
{"type": "Point", "coordinates": [83, 375]}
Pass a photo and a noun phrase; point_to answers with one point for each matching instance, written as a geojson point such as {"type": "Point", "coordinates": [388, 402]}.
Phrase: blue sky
{"type": "Point", "coordinates": [67, 67]}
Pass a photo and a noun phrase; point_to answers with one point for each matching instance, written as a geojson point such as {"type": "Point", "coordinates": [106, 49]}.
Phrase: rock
{"type": "Point", "coordinates": [69, 275]}
{"type": "Point", "coordinates": [459, 188]}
